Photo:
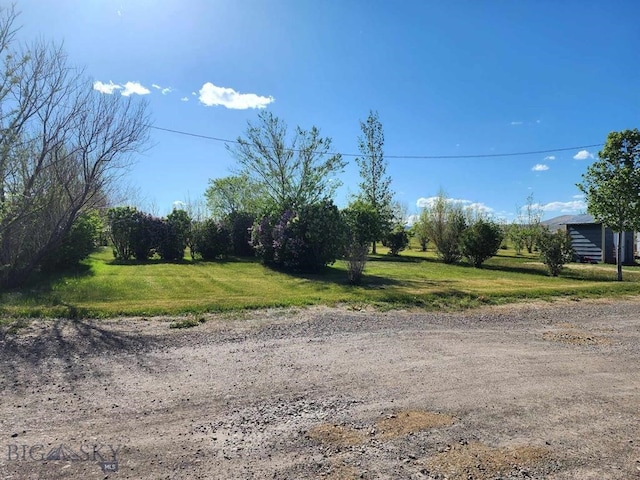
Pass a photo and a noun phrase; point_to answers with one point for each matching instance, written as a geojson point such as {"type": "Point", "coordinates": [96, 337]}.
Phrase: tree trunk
{"type": "Point", "coordinates": [619, 257]}
{"type": "Point", "coordinates": [373, 248]}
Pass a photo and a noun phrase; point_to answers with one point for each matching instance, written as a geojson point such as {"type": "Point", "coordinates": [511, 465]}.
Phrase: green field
{"type": "Point", "coordinates": [415, 279]}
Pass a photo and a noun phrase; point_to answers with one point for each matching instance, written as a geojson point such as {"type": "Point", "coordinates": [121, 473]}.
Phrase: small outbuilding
{"type": "Point", "coordinates": [592, 241]}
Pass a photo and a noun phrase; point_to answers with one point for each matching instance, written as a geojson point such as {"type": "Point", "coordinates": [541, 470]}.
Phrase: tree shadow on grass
{"type": "Point", "coordinates": [532, 270]}
{"type": "Point", "coordinates": [40, 286]}
{"type": "Point", "coordinates": [330, 276]}
{"type": "Point", "coordinates": [402, 259]}
{"type": "Point", "coordinates": [540, 270]}
{"type": "Point", "coordinates": [447, 298]}
{"type": "Point", "coordinates": [183, 261]}
{"type": "Point", "coordinates": [61, 351]}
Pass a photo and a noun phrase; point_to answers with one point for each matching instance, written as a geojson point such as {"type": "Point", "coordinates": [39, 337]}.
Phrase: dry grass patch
{"type": "Point", "coordinates": [576, 337]}
{"type": "Point", "coordinates": [478, 461]}
{"type": "Point", "coordinates": [410, 421]}
{"type": "Point", "coordinates": [338, 435]}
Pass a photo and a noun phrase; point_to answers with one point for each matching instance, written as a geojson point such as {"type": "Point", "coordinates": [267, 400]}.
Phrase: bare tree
{"type": "Point", "coordinates": [63, 147]}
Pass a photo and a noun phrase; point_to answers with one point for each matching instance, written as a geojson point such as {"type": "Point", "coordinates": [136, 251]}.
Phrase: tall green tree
{"type": "Point", "coordinates": [530, 227]}
{"type": "Point", "coordinates": [292, 173]}
{"type": "Point", "coordinates": [445, 225]}
{"type": "Point", "coordinates": [612, 186]}
{"type": "Point", "coordinates": [233, 195]}
{"type": "Point", "coordinates": [375, 187]}
{"type": "Point", "coordinates": [421, 229]}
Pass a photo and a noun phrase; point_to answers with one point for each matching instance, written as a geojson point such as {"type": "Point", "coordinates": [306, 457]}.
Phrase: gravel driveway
{"type": "Point", "coordinates": [542, 390]}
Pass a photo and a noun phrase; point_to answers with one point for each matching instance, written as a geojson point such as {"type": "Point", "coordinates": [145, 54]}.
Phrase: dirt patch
{"type": "Point", "coordinates": [393, 426]}
{"type": "Point", "coordinates": [309, 394]}
{"type": "Point", "coordinates": [410, 421]}
{"type": "Point", "coordinates": [341, 471]}
{"type": "Point", "coordinates": [576, 337]}
{"type": "Point", "coordinates": [479, 461]}
{"type": "Point", "coordinates": [338, 435]}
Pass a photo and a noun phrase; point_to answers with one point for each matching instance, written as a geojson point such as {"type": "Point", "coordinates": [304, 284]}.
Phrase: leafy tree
{"type": "Point", "coordinates": [121, 222]}
{"type": "Point", "coordinates": [481, 241]}
{"type": "Point", "coordinates": [135, 234]}
{"type": "Point", "coordinates": [63, 147]}
{"type": "Point", "coordinates": [175, 235]}
{"type": "Point", "coordinates": [290, 173]}
{"type": "Point", "coordinates": [231, 195]}
{"type": "Point", "coordinates": [212, 240]}
{"type": "Point", "coordinates": [305, 239]}
{"type": "Point", "coordinates": [396, 240]}
{"type": "Point", "coordinates": [239, 225]}
{"type": "Point", "coordinates": [82, 239]}
{"type": "Point", "coordinates": [375, 185]}
{"type": "Point", "coordinates": [360, 220]}
{"type": "Point", "coordinates": [146, 235]}
{"type": "Point", "coordinates": [612, 186]}
{"type": "Point", "coordinates": [516, 234]}
{"type": "Point", "coordinates": [555, 250]}
{"type": "Point", "coordinates": [421, 229]}
{"type": "Point", "coordinates": [530, 223]}
{"type": "Point", "coordinates": [262, 238]}
{"type": "Point", "coordinates": [446, 222]}
{"type": "Point", "coordinates": [323, 234]}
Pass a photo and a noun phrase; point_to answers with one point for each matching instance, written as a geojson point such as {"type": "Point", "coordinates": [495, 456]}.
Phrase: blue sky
{"type": "Point", "coordinates": [447, 78]}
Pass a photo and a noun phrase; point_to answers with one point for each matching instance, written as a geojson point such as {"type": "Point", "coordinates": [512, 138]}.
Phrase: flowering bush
{"type": "Point", "coordinates": [305, 239]}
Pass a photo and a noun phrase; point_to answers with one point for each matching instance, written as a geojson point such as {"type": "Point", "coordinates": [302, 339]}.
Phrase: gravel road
{"type": "Point", "coordinates": [538, 390]}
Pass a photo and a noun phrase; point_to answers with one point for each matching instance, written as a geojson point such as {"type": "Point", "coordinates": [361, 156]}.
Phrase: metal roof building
{"type": "Point", "coordinates": [591, 240]}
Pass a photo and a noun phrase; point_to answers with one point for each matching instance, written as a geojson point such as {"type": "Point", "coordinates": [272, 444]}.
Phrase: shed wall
{"type": "Point", "coordinates": [587, 240]}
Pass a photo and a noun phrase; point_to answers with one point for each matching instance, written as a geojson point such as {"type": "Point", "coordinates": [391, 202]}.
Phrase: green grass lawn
{"type": "Point", "coordinates": [106, 288]}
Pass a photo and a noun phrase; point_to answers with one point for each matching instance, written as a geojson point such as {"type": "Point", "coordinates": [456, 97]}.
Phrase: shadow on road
{"type": "Point", "coordinates": [63, 350]}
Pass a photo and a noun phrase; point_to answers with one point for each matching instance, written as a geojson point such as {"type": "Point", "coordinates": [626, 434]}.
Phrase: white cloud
{"type": "Point", "coordinates": [583, 155]}
{"type": "Point", "coordinates": [412, 219]}
{"type": "Point", "coordinates": [573, 206]}
{"type": "Point", "coordinates": [131, 88]}
{"type": "Point", "coordinates": [212, 95]}
{"type": "Point", "coordinates": [128, 88]}
{"type": "Point", "coordinates": [516, 123]}
{"type": "Point", "coordinates": [107, 88]}
{"type": "Point", "coordinates": [179, 205]}
{"type": "Point", "coordinates": [579, 196]}
{"type": "Point", "coordinates": [550, 157]}
{"type": "Point", "coordinates": [539, 167]}
{"type": "Point", "coordinates": [479, 207]}
{"type": "Point", "coordinates": [184, 99]}
{"type": "Point", "coordinates": [429, 202]}
{"type": "Point", "coordinates": [163, 90]}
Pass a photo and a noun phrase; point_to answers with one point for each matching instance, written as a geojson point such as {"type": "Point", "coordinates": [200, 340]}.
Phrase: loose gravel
{"type": "Point", "coordinates": [536, 390]}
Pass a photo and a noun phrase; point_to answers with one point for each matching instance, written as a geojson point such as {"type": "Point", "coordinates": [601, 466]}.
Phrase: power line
{"type": "Point", "coordinates": [405, 157]}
